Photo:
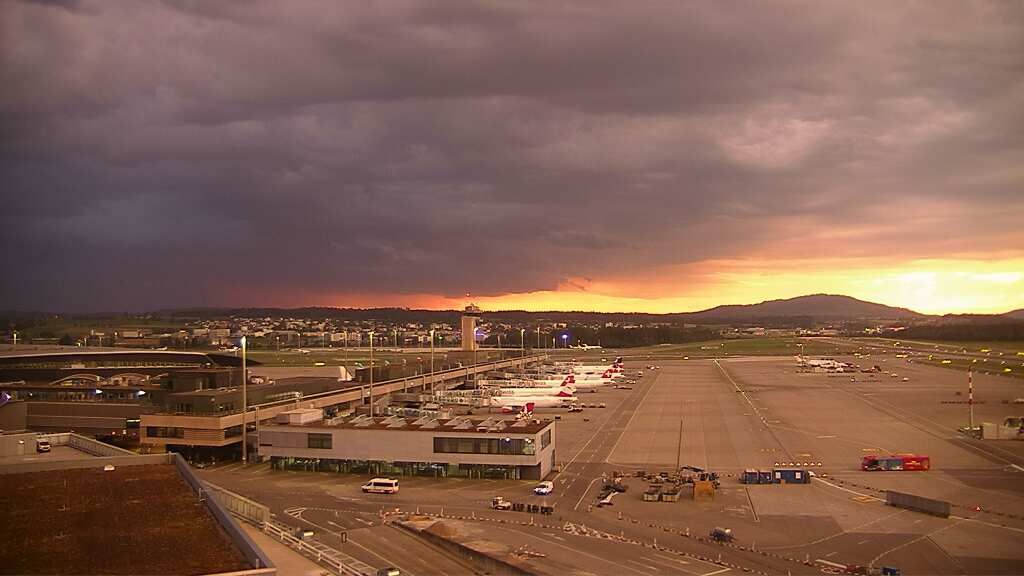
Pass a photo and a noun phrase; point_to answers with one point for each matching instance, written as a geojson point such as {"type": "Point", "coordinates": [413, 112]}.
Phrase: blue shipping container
{"type": "Point", "coordinates": [791, 476]}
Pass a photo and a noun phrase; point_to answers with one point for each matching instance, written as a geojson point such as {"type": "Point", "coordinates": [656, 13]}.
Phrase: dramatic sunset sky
{"type": "Point", "coordinates": [616, 156]}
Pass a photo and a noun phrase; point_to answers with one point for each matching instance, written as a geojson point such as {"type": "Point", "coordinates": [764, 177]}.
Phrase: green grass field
{"type": "Point", "coordinates": [1008, 348]}
{"type": "Point", "coordinates": [716, 349]}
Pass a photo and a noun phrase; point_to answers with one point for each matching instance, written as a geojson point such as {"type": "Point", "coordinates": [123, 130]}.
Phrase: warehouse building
{"type": "Point", "coordinates": [395, 445]}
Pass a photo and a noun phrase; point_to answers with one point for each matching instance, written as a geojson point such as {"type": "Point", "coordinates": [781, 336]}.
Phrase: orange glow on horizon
{"type": "Point", "coordinates": [929, 286]}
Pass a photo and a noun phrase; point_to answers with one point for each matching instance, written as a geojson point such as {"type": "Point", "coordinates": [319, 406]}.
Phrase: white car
{"type": "Point", "coordinates": [544, 488]}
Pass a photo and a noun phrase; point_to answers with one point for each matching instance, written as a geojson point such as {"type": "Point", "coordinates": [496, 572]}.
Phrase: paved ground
{"type": "Point", "coordinates": [55, 453]}
{"type": "Point", "coordinates": [737, 413]}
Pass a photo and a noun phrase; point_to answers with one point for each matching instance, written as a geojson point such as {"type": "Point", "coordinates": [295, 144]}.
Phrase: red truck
{"type": "Point", "coordinates": [896, 462]}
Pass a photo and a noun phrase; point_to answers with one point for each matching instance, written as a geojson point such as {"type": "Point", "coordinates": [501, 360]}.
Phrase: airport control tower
{"type": "Point", "coordinates": [470, 316]}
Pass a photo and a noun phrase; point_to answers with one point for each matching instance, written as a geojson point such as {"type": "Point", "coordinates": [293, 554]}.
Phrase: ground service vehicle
{"type": "Point", "coordinates": [544, 488]}
{"type": "Point", "coordinates": [381, 486]}
{"type": "Point", "coordinates": [42, 445]}
{"type": "Point", "coordinates": [499, 503]}
{"type": "Point", "coordinates": [896, 462]}
{"type": "Point", "coordinates": [722, 535]}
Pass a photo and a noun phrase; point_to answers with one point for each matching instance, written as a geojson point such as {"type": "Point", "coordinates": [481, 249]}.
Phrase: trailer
{"type": "Point", "coordinates": [896, 462]}
{"type": "Point", "coordinates": [752, 476]}
{"type": "Point", "coordinates": [791, 476]}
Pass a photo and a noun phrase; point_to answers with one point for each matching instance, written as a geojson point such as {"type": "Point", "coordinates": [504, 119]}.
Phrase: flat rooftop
{"type": "Point", "coordinates": [493, 425]}
{"type": "Point", "coordinates": [133, 520]}
{"type": "Point", "coordinates": [56, 453]}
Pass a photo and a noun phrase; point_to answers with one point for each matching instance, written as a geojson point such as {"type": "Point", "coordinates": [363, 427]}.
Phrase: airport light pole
{"type": "Point", "coordinates": [522, 339]}
{"type": "Point", "coordinates": [475, 346]}
{"type": "Point", "coordinates": [396, 338]}
{"type": "Point", "coordinates": [538, 336]}
{"type": "Point", "coordinates": [565, 340]}
{"type": "Point", "coordinates": [245, 408]}
{"type": "Point", "coordinates": [432, 361]}
{"type": "Point", "coordinates": [371, 374]}
{"type": "Point", "coordinates": [679, 448]}
{"type": "Point", "coordinates": [970, 397]}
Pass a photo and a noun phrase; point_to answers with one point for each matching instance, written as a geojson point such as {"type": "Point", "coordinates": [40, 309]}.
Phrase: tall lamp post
{"type": "Point", "coordinates": [538, 336]}
{"type": "Point", "coordinates": [245, 408]}
{"type": "Point", "coordinates": [371, 374]}
{"type": "Point", "coordinates": [431, 361]}
{"type": "Point", "coordinates": [522, 340]}
{"type": "Point", "coordinates": [565, 338]}
{"type": "Point", "coordinates": [475, 347]}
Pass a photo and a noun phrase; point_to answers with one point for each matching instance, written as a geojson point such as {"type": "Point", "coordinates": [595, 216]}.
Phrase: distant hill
{"type": "Point", "coordinates": [1015, 314]}
{"type": "Point", "coordinates": [815, 305]}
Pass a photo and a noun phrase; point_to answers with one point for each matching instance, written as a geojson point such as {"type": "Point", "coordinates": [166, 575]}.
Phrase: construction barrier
{"type": "Point", "coordinates": [938, 508]}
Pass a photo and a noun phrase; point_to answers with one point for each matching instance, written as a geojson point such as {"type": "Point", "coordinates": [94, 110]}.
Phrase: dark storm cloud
{"type": "Point", "coordinates": [160, 154]}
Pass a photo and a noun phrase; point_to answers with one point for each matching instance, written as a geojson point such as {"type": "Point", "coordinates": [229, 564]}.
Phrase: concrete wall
{"type": "Point", "coordinates": [45, 465]}
{"type": "Point", "coordinates": [14, 415]}
{"type": "Point", "coordinates": [488, 564]}
{"type": "Point", "coordinates": [17, 444]}
{"type": "Point", "coordinates": [918, 503]}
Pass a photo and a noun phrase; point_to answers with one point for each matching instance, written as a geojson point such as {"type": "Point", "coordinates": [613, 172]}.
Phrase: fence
{"type": "Point", "coordinates": [259, 515]}
{"type": "Point", "coordinates": [239, 505]}
{"type": "Point", "coordinates": [256, 557]}
{"type": "Point", "coordinates": [324, 555]}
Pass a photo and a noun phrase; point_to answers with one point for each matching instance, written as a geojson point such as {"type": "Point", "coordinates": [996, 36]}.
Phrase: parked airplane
{"type": "Point", "coordinates": [522, 383]}
{"type": "Point", "coordinates": [586, 347]}
{"type": "Point", "coordinates": [563, 391]}
{"type": "Point", "coordinates": [512, 404]}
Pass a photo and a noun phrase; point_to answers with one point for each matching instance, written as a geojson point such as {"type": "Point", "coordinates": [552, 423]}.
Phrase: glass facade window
{"type": "Point", "coordinates": [506, 446]}
{"type": "Point", "coordinates": [318, 440]}
{"type": "Point", "coordinates": [164, 432]}
{"type": "Point", "coordinates": [545, 439]}
{"type": "Point", "coordinates": [381, 468]}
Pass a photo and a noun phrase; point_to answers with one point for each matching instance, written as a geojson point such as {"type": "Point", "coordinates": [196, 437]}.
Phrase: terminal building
{"type": "Point", "coordinates": [458, 447]}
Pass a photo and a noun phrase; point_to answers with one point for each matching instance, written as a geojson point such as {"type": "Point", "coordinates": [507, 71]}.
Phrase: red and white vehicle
{"type": "Point", "coordinates": [896, 462]}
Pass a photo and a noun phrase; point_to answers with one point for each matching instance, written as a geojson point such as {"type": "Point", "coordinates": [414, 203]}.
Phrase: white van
{"type": "Point", "coordinates": [381, 486]}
